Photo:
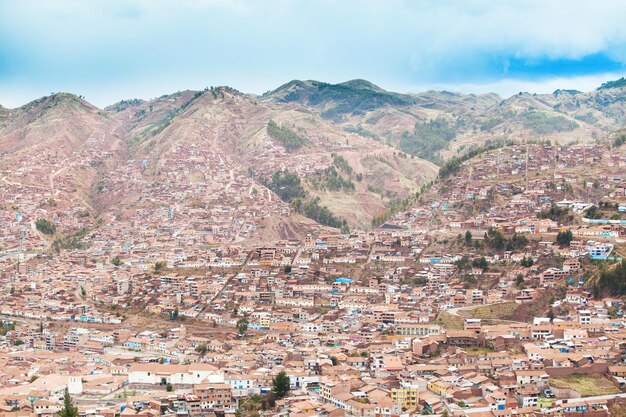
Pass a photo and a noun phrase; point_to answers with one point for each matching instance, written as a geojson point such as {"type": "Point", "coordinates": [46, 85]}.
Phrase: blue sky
{"type": "Point", "coordinates": [108, 50]}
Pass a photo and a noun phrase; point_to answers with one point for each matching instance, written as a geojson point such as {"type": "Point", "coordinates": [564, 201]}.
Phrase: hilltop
{"type": "Point", "coordinates": [436, 125]}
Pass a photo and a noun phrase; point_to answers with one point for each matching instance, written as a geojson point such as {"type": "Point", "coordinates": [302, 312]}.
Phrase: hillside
{"type": "Point", "coordinates": [437, 125]}
{"type": "Point", "coordinates": [203, 157]}
{"type": "Point", "coordinates": [239, 130]}
{"type": "Point", "coordinates": [52, 150]}
{"type": "Point", "coordinates": [228, 167]}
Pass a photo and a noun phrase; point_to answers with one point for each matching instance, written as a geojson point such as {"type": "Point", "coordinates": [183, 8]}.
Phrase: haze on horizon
{"type": "Point", "coordinates": [113, 50]}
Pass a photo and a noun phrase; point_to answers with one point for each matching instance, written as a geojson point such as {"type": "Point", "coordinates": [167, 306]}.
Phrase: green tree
{"type": "Point", "coordinates": [116, 261]}
{"type": "Point", "coordinates": [69, 409]}
{"type": "Point", "coordinates": [463, 263]}
{"type": "Point", "coordinates": [280, 385]}
{"type": "Point", "coordinates": [169, 387]}
{"type": "Point", "coordinates": [242, 326]}
{"type": "Point", "coordinates": [495, 239]}
{"type": "Point", "coordinates": [480, 263]}
{"type": "Point", "coordinates": [468, 237]}
{"type": "Point", "coordinates": [593, 213]}
{"type": "Point", "coordinates": [612, 280]}
{"type": "Point", "coordinates": [201, 349]}
{"type": "Point", "coordinates": [551, 315]}
{"type": "Point", "coordinates": [564, 237]}
{"type": "Point", "coordinates": [287, 137]}
{"type": "Point", "coordinates": [45, 226]}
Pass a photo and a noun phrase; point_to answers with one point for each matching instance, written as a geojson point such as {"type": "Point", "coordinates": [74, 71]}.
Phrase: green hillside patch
{"type": "Point", "coordinates": [613, 84]}
{"type": "Point", "coordinates": [612, 280]}
{"type": "Point", "coordinates": [45, 226]}
{"type": "Point", "coordinates": [491, 123]}
{"type": "Point", "coordinates": [428, 138]}
{"type": "Point", "coordinates": [359, 130]}
{"type": "Point", "coordinates": [543, 123]}
{"type": "Point", "coordinates": [71, 242]}
{"type": "Point", "coordinates": [341, 163]}
{"type": "Point", "coordinates": [587, 385]}
{"type": "Point", "coordinates": [330, 180]}
{"type": "Point", "coordinates": [288, 187]}
{"type": "Point", "coordinates": [355, 101]}
{"type": "Point", "coordinates": [356, 97]}
{"type": "Point", "coordinates": [322, 215]}
{"type": "Point", "coordinates": [287, 137]}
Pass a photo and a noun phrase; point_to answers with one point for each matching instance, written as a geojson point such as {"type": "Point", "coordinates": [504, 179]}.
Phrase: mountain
{"type": "Point", "coordinates": [334, 101]}
{"type": "Point", "coordinates": [236, 127]}
{"type": "Point", "coordinates": [436, 125]}
{"type": "Point", "coordinates": [212, 157]}
{"type": "Point", "coordinates": [51, 150]}
{"type": "Point", "coordinates": [218, 166]}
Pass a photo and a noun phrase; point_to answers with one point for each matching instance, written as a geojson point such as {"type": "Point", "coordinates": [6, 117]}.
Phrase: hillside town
{"type": "Point", "coordinates": [476, 301]}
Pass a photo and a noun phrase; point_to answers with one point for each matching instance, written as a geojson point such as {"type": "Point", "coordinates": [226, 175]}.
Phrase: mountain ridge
{"type": "Point", "coordinates": [356, 149]}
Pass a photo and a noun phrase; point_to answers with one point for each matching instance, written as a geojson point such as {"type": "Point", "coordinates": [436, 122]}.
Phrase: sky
{"type": "Point", "coordinates": [108, 50]}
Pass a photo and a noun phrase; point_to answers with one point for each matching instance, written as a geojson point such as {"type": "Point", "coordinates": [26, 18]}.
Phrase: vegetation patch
{"type": "Point", "coordinates": [501, 311]}
{"type": "Point", "coordinates": [287, 137]}
{"type": "Point", "coordinates": [542, 123]}
{"type": "Point", "coordinates": [288, 187]}
{"type": "Point", "coordinates": [428, 138]}
{"type": "Point", "coordinates": [454, 164]}
{"type": "Point", "coordinates": [586, 385]}
{"type": "Point", "coordinates": [491, 123]}
{"type": "Point", "coordinates": [612, 281]}
{"type": "Point", "coordinates": [322, 215]}
{"type": "Point", "coordinates": [557, 214]}
{"type": "Point", "coordinates": [619, 141]}
{"type": "Point", "coordinates": [359, 130]}
{"type": "Point", "coordinates": [45, 226]}
{"type": "Point", "coordinates": [71, 242]}
{"type": "Point", "coordinates": [349, 99]}
{"type": "Point", "coordinates": [341, 163]}
{"type": "Point", "coordinates": [330, 180]}
{"type": "Point", "coordinates": [613, 84]}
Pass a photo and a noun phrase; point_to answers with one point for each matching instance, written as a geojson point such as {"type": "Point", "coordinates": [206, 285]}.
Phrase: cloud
{"type": "Point", "coordinates": [509, 87]}
{"type": "Point", "coordinates": [119, 48]}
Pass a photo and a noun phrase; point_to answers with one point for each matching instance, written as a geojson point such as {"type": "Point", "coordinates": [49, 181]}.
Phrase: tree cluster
{"type": "Point", "coordinates": [612, 281]}
{"type": "Point", "coordinates": [564, 237]}
{"type": "Point", "coordinates": [330, 180]}
{"type": "Point", "coordinates": [45, 226]}
{"type": "Point", "coordinates": [557, 214]}
{"type": "Point", "coordinates": [287, 137]}
{"type": "Point", "coordinates": [496, 240]}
